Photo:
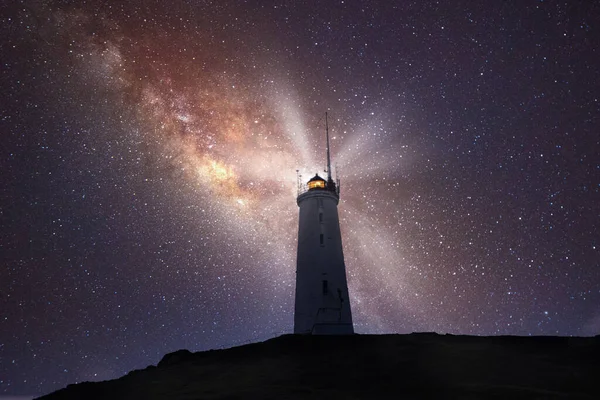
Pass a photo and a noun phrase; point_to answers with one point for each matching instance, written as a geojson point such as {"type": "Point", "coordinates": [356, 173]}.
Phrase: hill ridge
{"type": "Point", "coordinates": [416, 365]}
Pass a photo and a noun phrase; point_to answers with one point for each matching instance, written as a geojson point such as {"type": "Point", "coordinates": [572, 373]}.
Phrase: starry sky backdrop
{"type": "Point", "coordinates": [148, 162]}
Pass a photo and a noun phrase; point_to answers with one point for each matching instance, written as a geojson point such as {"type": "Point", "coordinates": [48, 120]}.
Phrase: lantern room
{"type": "Point", "coordinates": [316, 183]}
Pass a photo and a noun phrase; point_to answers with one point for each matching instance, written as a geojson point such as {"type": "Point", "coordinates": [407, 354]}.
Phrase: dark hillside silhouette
{"type": "Point", "coordinates": [422, 365]}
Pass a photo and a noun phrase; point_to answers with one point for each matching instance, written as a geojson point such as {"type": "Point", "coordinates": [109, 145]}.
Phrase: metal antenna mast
{"type": "Point", "coordinates": [328, 157]}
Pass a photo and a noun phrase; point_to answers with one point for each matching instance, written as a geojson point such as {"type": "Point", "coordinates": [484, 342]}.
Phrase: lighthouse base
{"type": "Point", "coordinates": [333, 329]}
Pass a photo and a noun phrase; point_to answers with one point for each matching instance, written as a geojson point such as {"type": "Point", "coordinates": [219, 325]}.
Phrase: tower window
{"type": "Point", "coordinates": [321, 238]}
{"type": "Point", "coordinates": [320, 217]}
{"type": "Point", "coordinates": [325, 287]}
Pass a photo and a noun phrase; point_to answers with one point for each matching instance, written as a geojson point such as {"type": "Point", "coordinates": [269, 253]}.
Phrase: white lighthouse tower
{"type": "Point", "coordinates": [322, 301]}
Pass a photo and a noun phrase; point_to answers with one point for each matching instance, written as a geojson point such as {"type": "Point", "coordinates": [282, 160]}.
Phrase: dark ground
{"type": "Point", "coordinates": [424, 365]}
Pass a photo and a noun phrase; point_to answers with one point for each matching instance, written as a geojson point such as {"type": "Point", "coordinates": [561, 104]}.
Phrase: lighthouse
{"type": "Point", "coordinates": [322, 303]}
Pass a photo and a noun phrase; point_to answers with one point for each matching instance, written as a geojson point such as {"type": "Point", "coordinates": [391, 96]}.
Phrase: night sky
{"type": "Point", "coordinates": [148, 163]}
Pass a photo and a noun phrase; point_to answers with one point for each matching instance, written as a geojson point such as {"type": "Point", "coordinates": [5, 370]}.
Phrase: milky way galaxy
{"type": "Point", "coordinates": [149, 158]}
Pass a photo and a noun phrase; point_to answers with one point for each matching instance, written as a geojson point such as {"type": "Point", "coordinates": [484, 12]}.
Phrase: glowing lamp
{"type": "Point", "coordinates": [316, 183]}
